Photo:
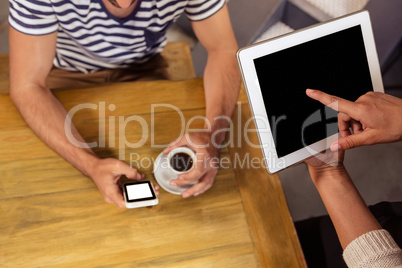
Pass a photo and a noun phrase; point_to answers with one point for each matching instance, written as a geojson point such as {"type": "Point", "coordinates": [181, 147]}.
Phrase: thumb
{"type": "Point", "coordinates": [349, 142]}
{"type": "Point", "coordinates": [130, 172]}
{"type": "Point", "coordinates": [116, 197]}
{"type": "Point", "coordinates": [174, 144]}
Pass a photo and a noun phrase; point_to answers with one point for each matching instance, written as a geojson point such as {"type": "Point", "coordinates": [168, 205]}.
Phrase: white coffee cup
{"type": "Point", "coordinates": [181, 160]}
{"type": "Point", "coordinates": [165, 171]}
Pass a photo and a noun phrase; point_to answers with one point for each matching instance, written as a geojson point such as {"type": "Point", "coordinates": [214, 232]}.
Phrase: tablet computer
{"type": "Point", "coordinates": [338, 57]}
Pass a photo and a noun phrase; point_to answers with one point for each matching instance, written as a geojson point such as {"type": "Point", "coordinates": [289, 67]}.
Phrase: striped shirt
{"type": "Point", "coordinates": [90, 38]}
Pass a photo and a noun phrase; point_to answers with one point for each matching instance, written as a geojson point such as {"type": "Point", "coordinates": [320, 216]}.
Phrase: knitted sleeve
{"type": "Point", "coordinates": [373, 249]}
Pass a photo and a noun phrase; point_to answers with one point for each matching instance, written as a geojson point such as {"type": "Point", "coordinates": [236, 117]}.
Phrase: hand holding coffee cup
{"type": "Point", "coordinates": [205, 167]}
{"type": "Point", "coordinates": [168, 167]}
{"type": "Point", "coordinates": [181, 160]}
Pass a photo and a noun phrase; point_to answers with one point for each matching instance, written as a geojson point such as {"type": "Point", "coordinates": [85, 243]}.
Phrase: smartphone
{"type": "Point", "coordinates": [139, 194]}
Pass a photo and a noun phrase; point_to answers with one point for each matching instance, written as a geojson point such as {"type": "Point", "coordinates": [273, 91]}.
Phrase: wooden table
{"type": "Point", "coordinates": [52, 215]}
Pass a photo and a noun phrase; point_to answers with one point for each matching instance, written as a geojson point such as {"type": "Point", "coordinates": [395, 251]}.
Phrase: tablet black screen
{"type": "Point", "coordinates": [336, 64]}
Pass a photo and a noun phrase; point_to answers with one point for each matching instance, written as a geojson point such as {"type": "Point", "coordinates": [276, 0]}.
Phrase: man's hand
{"type": "Point", "coordinates": [206, 166]}
{"type": "Point", "coordinates": [221, 86]}
{"type": "Point", "coordinates": [374, 118]}
{"type": "Point", "coordinates": [106, 173]}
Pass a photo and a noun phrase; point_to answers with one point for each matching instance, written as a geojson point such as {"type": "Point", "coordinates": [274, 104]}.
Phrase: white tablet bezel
{"type": "Point", "coordinates": [246, 56]}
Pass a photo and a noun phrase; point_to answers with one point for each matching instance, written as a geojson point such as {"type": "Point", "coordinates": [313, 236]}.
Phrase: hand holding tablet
{"type": "Point", "coordinates": [374, 118]}
{"type": "Point", "coordinates": [338, 57]}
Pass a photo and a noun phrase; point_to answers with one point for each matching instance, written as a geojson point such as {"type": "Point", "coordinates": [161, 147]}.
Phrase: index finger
{"type": "Point", "coordinates": [333, 102]}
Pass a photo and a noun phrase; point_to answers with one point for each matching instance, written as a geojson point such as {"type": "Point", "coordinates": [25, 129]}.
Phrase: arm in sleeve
{"type": "Point", "coordinates": [373, 249]}
{"type": "Point", "coordinates": [32, 17]}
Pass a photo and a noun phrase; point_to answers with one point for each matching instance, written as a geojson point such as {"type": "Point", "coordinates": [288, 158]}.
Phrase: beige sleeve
{"type": "Point", "coordinates": [373, 249]}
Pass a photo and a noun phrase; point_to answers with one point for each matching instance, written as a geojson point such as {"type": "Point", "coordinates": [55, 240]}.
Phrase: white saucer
{"type": "Point", "coordinates": [164, 174]}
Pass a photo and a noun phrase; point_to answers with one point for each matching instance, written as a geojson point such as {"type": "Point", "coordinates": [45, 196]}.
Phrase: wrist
{"type": "Point", "coordinates": [327, 172]}
{"type": "Point", "coordinates": [91, 165]}
{"type": "Point", "coordinates": [217, 133]}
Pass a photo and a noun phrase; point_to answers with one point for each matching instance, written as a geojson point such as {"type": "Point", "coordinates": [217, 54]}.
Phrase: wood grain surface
{"type": "Point", "coordinates": [272, 229]}
{"type": "Point", "coordinates": [53, 216]}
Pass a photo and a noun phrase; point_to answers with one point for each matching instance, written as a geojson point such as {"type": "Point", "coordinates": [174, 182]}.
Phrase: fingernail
{"type": "Point", "coordinates": [309, 90]}
{"type": "Point", "coordinates": [173, 184]}
{"type": "Point", "coordinates": [335, 147]}
{"type": "Point", "coordinates": [185, 195]}
{"type": "Point", "coordinates": [196, 194]}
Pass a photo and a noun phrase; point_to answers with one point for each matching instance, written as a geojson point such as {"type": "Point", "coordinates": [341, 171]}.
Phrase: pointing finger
{"type": "Point", "coordinates": [333, 102]}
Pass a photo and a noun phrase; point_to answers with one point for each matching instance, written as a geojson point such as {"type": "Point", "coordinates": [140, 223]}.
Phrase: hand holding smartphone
{"type": "Point", "coordinates": [139, 194]}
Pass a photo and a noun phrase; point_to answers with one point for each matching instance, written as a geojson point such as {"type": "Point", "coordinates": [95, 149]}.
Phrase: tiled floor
{"type": "Point", "coordinates": [277, 29]}
{"type": "Point", "coordinates": [339, 7]}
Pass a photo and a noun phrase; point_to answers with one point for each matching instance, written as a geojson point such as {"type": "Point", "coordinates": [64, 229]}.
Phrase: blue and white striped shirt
{"type": "Point", "coordinates": [90, 38]}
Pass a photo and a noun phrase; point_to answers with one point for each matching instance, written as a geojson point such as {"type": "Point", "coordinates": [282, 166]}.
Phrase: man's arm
{"type": "Point", "coordinates": [221, 85]}
{"type": "Point", "coordinates": [221, 75]}
{"type": "Point", "coordinates": [31, 59]}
